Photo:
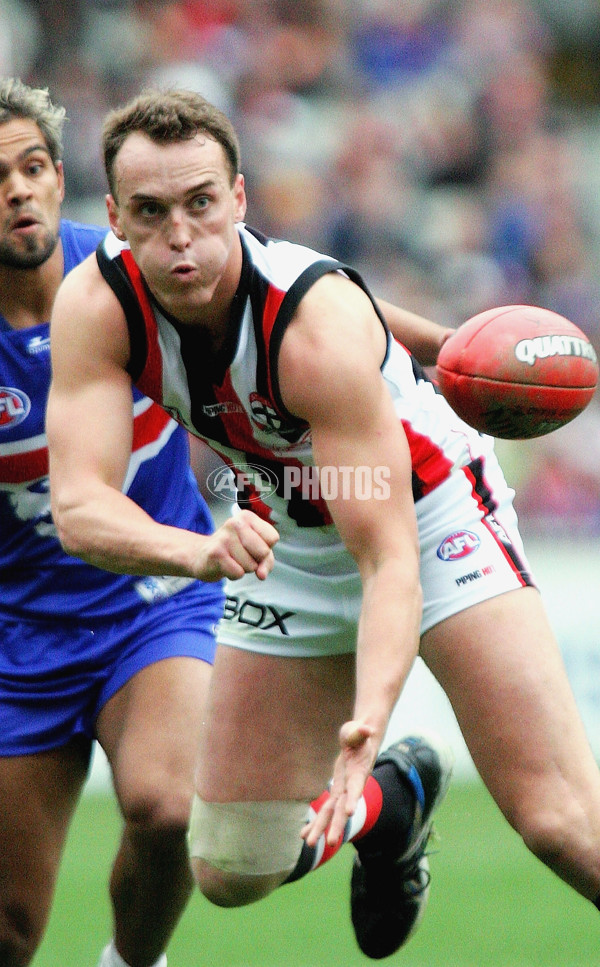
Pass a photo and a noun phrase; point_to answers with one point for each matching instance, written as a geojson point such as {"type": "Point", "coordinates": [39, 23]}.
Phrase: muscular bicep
{"type": "Point", "coordinates": [330, 375]}
{"type": "Point", "coordinates": [89, 414]}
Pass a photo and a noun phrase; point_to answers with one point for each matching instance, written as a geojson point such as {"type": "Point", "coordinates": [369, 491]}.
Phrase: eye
{"type": "Point", "coordinates": [149, 209]}
{"type": "Point", "coordinates": [35, 167]}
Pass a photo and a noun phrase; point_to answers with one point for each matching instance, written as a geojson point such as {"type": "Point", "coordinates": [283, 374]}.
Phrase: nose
{"type": "Point", "coordinates": [178, 231]}
{"type": "Point", "coordinates": [17, 188]}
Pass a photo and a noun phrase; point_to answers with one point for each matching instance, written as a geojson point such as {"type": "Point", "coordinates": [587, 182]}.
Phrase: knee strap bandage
{"type": "Point", "coordinates": [247, 837]}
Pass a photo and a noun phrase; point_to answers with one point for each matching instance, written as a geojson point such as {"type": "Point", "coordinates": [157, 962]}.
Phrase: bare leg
{"type": "Point", "coordinates": [149, 730]}
{"type": "Point", "coordinates": [271, 733]}
{"type": "Point", "coordinates": [501, 668]}
{"type": "Point", "coordinates": [37, 800]}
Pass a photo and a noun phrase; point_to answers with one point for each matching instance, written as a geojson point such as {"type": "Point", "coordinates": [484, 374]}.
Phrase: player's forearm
{"type": "Point", "coordinates": [421, 336]}
{"type": "Point", "coordinates": [388, 640]}
{"type": "Point", "coordinates": [114, 533]}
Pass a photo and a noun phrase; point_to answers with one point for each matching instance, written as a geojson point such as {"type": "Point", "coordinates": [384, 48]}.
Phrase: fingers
{"type": "Point", "coordinates": [314, 828]}
{"type": "Point", "coordinates": [353, 765]}
{"type": "Point", "coordinates": [253, 539]}
{"type": "Point", "coordinates": [265, 567]}
{"type": "Point", "coordinates": [248, 522]}
{"type": "Point", "coordinates": [331, 820]}
{"type": "Point", "coordinates": [354, 734]}
{"type": "Point", "coordinates": [242, 545]}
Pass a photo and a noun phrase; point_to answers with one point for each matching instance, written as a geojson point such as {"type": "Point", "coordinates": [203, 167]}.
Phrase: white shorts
{"type": "Point", "coordinates": [471, 550]}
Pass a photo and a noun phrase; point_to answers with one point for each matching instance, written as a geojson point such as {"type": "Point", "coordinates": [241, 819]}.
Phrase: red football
{"type": "Point", "coordinates": [517, 371]}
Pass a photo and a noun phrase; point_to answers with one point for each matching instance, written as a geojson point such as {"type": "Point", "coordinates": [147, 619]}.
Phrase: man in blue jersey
{"type": "Point", "coordinates": [85, 653]}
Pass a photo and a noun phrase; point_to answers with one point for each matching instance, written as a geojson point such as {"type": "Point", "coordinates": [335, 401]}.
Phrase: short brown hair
{"type": "Point", "coordinates": [167, 117]}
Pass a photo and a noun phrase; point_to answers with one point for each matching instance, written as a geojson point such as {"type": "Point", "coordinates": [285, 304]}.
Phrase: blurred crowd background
{"type": "Point", "coordinates": [448, 149]}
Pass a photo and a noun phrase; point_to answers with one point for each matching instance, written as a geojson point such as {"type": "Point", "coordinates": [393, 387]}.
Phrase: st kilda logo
{"type": "Point", "coordinates": [263, 414]}
{"type": "Point", "coordinates": [14, 407]}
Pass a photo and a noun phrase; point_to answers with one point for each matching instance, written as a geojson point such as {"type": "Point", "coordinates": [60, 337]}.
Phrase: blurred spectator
{"type": "Point", "coordinates": [86, 97]}
{"type": "Point", "coordinates": [392, 43]}
{"type": "Point", "coordinates": [559, 494]}
{"type": "Point", "coordinates": [20, 37]}
{"type": "Point", "coordinates": [374, 198]}
{"type": "Point", "coordinates": [60, 37]}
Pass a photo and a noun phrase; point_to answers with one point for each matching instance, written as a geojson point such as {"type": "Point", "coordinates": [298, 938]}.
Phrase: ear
{"type": "Point", "coordinates": [113, 218]}
{"type": "Point", "coordinates": [60, 172]}
{"type": "Point", "coordinates": [239, 198]}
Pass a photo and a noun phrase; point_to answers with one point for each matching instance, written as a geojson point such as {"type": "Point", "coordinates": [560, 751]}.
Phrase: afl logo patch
{"type": "Point", "coordinates": [458, 545]}
{"type": "Point", "coordinates": [14, 407]}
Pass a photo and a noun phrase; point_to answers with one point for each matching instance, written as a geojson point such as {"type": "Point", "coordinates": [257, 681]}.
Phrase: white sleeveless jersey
{"type": "Point", "coordinates": [233, 402]}
{"type": "Point", "coordinates": [470, 547]}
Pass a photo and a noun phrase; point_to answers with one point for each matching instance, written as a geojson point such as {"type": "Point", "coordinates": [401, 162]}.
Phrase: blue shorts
{"type": "Point", "coordinates": [56, 677]}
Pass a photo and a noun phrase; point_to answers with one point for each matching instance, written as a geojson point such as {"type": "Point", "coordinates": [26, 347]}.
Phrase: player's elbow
{"type": "Point", "coordinates": [68, 540]}
{"type": "Point", "coordinates": [68, 530]}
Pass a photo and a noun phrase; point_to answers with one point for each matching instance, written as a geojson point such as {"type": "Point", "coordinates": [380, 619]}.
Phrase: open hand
{"type": "Point", "coordinates": [359, 748]}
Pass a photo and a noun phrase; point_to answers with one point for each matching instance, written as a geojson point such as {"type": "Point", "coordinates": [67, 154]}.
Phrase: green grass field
{"type": "Point", "coordinates": [492, 905]}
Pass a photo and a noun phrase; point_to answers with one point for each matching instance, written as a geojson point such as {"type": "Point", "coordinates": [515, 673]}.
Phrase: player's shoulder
{"type": "Point", "coordinates": [280, 261]}
{"type": "Point", "coordinates": [85, 289]}
{"type": "Point", "coordinates": [85, 231]}
{"type": "Point", "coordinates": [87, 320]}
{"type": "Point", "coordinates": [334, 309]}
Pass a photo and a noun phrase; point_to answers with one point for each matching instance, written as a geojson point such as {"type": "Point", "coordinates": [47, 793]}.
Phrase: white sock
{"type": "Point", "coordinates": [111, 957]}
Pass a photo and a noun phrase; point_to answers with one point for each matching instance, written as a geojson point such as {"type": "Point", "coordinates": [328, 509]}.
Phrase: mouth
{"type": "Point", "coordinates": [183, 270]}
{"type": "Point", "coordinates": [24, 223]}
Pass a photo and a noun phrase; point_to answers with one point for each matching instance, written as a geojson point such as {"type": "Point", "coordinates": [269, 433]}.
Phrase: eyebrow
{"type": "Point", "coordinates": [32, 149]}
{"type": "Point", "coordinates": [202, 186]}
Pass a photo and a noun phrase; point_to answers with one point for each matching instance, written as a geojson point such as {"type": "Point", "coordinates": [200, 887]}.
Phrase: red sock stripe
{"type": "Point", "coordinates": [317, 803]}
{"type": "Point", "coordinates": [373, 797]}
{"type": "Point", "coordinates": [329, 851]}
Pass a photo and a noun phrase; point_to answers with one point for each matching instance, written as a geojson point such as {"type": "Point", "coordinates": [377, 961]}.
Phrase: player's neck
{"type": "Point", "coordinates": [221, 310]}
{"type": "Point", "coordinates": [27, 295]}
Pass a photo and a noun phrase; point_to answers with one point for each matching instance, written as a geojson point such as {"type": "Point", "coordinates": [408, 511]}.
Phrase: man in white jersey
{"type": "Point", "coordinates": [279, 358]}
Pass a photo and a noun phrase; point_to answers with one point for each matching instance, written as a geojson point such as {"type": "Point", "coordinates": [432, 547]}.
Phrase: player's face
{"type": "Point", "coordinates": [31, 193]}
{"type": "Point", "coordinates": [177, 208]}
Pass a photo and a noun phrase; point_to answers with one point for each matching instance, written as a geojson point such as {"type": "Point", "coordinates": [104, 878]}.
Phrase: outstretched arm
{"type": "Point", "coordinates": [329, 372]}
{"type": "Point", "coordinates": [89, 427]}
{"type": "Point", "coordinates": [422, 337]}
